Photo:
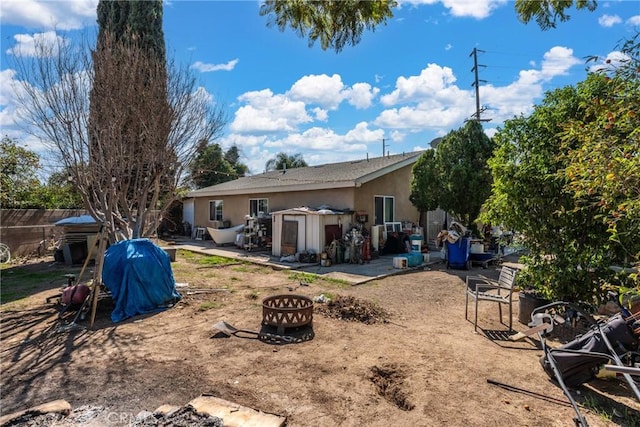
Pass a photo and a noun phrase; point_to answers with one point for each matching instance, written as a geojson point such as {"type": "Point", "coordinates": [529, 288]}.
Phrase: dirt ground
{"type": "Point", "coordinates": [417, 362]}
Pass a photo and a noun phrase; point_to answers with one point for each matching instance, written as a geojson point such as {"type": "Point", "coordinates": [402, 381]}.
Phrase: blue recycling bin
{"type": "Point", "coordinates": [458, 253]}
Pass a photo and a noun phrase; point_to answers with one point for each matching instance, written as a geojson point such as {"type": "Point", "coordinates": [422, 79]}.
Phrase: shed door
{"type": "Point", "coordinates": [289, 238]}
{"type": "Point", "coordinates": [331, 232]}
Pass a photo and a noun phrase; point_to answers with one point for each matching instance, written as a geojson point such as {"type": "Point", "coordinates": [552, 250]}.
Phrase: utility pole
{"type": "Point", "coordinates": [476, 83]}
{"type": "Point", "coordinates": [383, 147]}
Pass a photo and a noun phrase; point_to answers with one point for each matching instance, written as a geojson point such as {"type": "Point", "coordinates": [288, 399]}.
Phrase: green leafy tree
{"type": "Point", "coordinates": [604, 167]}
{"type": "Point", "coordinates": [232, 155]}
{"type": "Point", "coordinates": [210, 166]}
{"type": "Point", "coordinates": [548, 12]}
{"type": "Point", "coordinates": [424, 183]}
{"type": "Point", "coordinates": [18, 180]}
{"type": "Point", "coordinates": [464, 176]}
{"type": "Point", "coordinates": [61, 193]}
{"type": "Point", "coordinates": [334, 23]}
{"type": "Point", "coordinates": [566, 177]}
{"type": "Point", "coordinates": [338, 23]}
{"type": "Point", "coordinates": [285, 161]}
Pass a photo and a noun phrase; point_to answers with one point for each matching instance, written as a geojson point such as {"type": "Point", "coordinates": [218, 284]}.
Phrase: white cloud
{"type": "Point", "coordinates": [431, 81]}
{"type": "Point", "coordinates": [319, 145]}
{"type": "Point", "coordinates": [557, 61]}
{"type": "Point", "coordinates": [37, 44]}
{"type": "Point", "coordinates": [362, 134]}
{"type": "Point", "coordinates": [266, 112]}
{"type": "Point", "coordinates": [7, 81]}
{"type": "Point", "coordinates": [321, 114]}
{"type": "Point", "coordinates": [609, 20]}
{"type": "Point", "coordinates": [420, 118]}
{"type": "Point", "coordinates": [62, 15]}
{"type": "Point", "coordinates": [432, 101]}
{"type": "Point", "coordinates": [361, 95]}
{"type": "Point", "coordinates": [478, 9]}
{"type": "Point", "coordinates": [320, 89]}
{"type": "Point", "coordinates": [634, 20]}
{"type": "Point", "coordinates": [206, 68]}
{"type": "Point", "coordinates": [518, 97]}
{"type": "Point", "coordinates": [398, 136]}
{"type": "Point", "coordinates": [448, 46]}
{"type": "Point", "coordinates": [10, 113]}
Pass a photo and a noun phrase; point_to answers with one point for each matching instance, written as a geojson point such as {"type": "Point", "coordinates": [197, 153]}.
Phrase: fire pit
{"type": "Point", "coordinates": [287, 311]}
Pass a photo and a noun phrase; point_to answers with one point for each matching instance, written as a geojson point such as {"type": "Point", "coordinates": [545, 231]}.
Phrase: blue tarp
{"type": "Point", "coordinates": [138, 273]}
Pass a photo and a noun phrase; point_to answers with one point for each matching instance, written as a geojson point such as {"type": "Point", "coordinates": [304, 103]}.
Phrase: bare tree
{"type": "Point", "coordinates": [133, 166]}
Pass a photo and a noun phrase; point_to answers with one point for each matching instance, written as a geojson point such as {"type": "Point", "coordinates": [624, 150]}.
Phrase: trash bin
{"type": "Point", "coordinates": [458, 254]}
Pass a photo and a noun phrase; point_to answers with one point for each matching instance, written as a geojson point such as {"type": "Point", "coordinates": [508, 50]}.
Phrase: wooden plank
{"type": "Point", "coordinates": [529, 332]}
{"type": "Point", "coordinates": [234, 415]}
{"type": "Point", "coordinates": [97, 278]}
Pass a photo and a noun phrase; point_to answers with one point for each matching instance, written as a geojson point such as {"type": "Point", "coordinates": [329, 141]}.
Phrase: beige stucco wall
{"type": "Point", "coordinates": [236, 207]}
{"type": "Point", "coordinates": [397, 184]}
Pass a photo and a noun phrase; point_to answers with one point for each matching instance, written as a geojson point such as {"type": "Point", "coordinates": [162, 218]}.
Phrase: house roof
{"type": "Point", "coordinates": [352, 173]}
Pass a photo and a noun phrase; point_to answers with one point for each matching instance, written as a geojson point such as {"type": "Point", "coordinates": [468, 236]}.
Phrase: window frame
{"type": "Point", "coordinates": [218, 208]}
{"type": "Point", "coordinates": [385, 201]}
{"type": "Point", "coordinates": [258, 200]}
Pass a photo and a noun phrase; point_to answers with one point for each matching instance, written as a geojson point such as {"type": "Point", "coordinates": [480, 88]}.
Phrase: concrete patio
{"type": "Point", "coordinates": [352, 273]}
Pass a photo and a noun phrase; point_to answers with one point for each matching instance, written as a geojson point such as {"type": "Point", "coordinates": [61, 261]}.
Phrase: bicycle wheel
{"type": "Point", "coordinates": [5, 253]}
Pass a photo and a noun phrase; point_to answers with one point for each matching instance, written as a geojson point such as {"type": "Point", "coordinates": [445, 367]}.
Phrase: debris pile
{"type": "Point", "coordinates": [31, 419]}
{"type": "Point", "coordinates": [186, 416]}
{"type": "Point", "coordinates": [353, 309]}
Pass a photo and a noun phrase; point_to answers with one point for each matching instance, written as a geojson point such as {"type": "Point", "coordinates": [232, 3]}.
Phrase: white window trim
{"type": "Point", "coordinates": [258, 199]}
{"type": "Point", "coordinates": [217, 202]}
{"type": "Point", "coordinates": [384, 203]}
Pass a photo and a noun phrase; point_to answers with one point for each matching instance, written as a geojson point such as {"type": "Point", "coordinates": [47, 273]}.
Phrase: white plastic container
{"type": "Point", "coordinates": [400, 262]}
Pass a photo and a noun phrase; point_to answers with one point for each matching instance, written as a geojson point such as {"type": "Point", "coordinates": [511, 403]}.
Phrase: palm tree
{"type": "Point", "coordinates": [285, 161]}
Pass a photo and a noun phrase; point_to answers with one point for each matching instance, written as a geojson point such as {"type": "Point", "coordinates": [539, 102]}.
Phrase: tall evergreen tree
{"type": "Point", "coordinates": [130, 32]}
{"type": "Point", "coordinates": [126, 130]}
{"type": "Point", "coordinates": [133, 21]}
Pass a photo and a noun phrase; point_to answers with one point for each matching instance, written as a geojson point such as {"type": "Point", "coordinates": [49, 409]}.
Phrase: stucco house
{"type": "Point", "coordinates": [375, 190]}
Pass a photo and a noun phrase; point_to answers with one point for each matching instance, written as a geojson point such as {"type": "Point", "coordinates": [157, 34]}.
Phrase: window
{"type": "Point", "coordinates": [215, 210]}
{"type": "Point", "coordinates": [384, 209]}
{"type": "Point", "coordinates": [258, 205]}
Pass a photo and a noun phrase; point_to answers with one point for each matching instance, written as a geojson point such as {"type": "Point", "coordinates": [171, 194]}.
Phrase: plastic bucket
{"type": "Point", "coordinates": [416, 242]}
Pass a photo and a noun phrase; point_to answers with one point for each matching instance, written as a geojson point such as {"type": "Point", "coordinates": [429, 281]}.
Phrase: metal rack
{"type": "Point", "coordinates": [255, 233]}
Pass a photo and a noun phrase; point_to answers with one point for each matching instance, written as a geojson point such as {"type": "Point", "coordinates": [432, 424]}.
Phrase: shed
{"type": "Point", "coordinates": [79, 234]}
{"type": "Point", "coordinates": [306, 229]}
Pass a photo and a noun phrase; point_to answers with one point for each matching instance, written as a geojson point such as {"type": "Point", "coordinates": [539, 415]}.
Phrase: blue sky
{"type": "Point", "coordinates": [408, 82]}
